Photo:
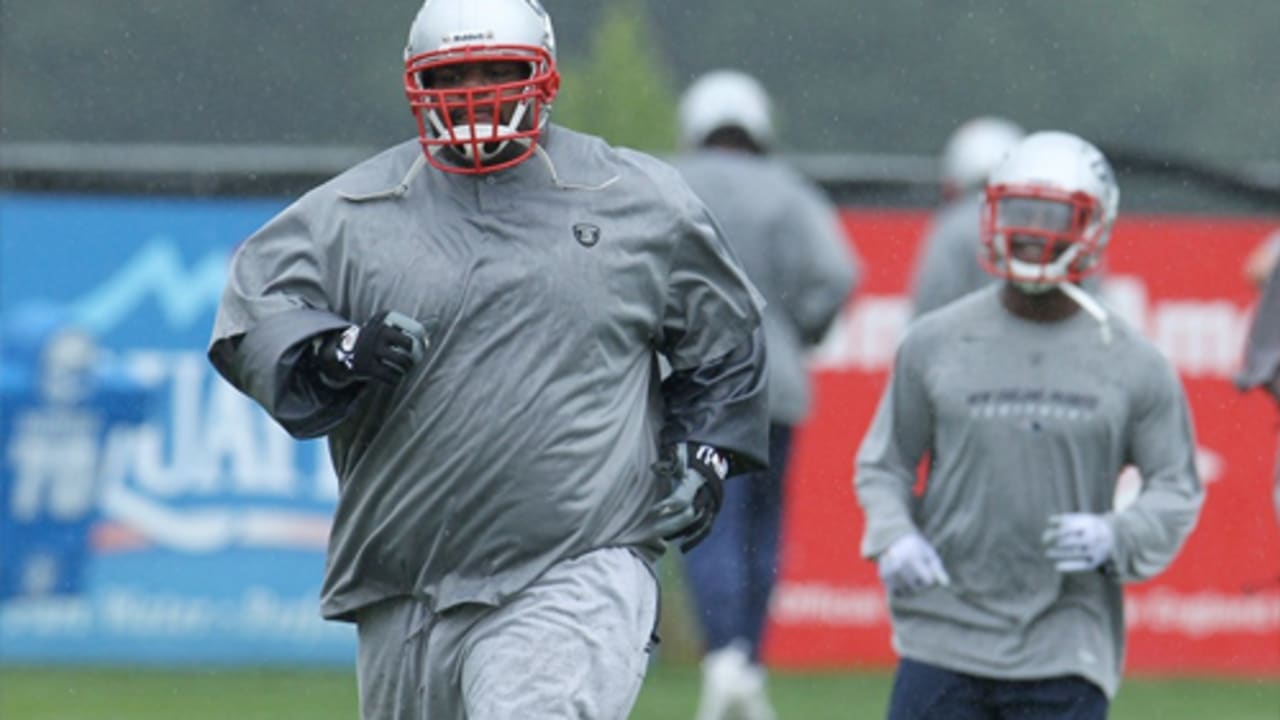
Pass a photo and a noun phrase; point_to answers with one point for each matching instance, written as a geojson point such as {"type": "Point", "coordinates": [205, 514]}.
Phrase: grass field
{"type": "Point", "coordinates": [669, 694]}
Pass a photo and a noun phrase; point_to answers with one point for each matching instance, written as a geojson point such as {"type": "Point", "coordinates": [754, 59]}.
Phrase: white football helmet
{"type": "Point", "coordinates": [973, 150]}
{"type": "Point", "coordinates": [1048, 212]}
{"type": "Point", "coordinates": [483, 126]}
{"type": "Point", "coordinates": [725, 98]}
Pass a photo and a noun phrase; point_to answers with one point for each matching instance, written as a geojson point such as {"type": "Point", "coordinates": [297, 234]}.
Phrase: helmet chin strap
{"type": "Point", "coordinates": [1091, 306]}
{"type": "Point", "coordinates": [1058, 269]}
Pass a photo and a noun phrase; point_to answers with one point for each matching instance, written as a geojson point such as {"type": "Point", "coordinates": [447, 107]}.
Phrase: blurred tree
{"type": "Point", "coordinates": [622, 89]}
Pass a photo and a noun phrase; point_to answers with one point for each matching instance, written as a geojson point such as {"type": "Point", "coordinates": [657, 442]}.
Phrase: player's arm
{"type": "Point", "coordinates": [715, 400]}
{"type": "Point", "coordinates": [722, 403]}
{"type": "Point", "coordinates": [712, 414]}
{"type": "Point", "coordinates": [277, 340]}
{"type": "Point", "coordinates": [887, 460]}
{"type": "Point", "coordinates": [309, 386]}
{"type": "Point", "coordinates": [1150, 531]}
{"type": "Point", "coordinates": [895, 443]}
{"type": "Point", "coordinates": [710, 335]}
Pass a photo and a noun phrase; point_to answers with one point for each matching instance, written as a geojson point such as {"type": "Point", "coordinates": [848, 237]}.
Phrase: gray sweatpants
{"type": "Point", "coordinates": [575, 644]}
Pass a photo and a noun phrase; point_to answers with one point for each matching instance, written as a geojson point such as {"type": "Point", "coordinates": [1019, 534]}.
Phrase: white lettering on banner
{"type": "Point", "coordinates": [218, 440]}
{"type": "Point", "coordinates": [219, 472]}
{"type": "Point", "coordinates": [259, 612]}
{"type": "Point", "coordinates": [53, 454]}
{"type": "Point", "coordinates": [1198, 614]}
{"type": "Point", "coordinates": [133, 612]}
{"type": "Point", "coordinates": [213, 469]}
{"type": "Point", "coordinates": [232, 437]}
{"type": "Point", "coordinates": [66, 616]}
{"type": "Point", "coordinates": [822, 604]}
{"type": "Point", "coordinates": [265, 612]}
{"type": "Point", "coordinates": [1195, 614]}
{"type": "Point", "coordinates": [1201, 337]}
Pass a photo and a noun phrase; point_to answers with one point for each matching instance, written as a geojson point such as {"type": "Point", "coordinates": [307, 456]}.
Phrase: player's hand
{"type": "Point", "coordinates": [1078, 542]}
{"type": "Point", "coordinates": [909, 565]}
{"type": "Point", "coordinates": [382, 349]}
{"type": "Point", "coordinates": [695, 476]}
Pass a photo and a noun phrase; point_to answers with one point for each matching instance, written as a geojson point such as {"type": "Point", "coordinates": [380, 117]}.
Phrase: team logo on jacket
{"type": "Point", "coordinates": [1033, 404]}
{"type": "Point", "coordinates": [586, 234]}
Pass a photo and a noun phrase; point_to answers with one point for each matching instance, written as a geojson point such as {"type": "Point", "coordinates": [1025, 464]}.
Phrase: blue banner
{"type": "Point", "coordinates": [148, 511]}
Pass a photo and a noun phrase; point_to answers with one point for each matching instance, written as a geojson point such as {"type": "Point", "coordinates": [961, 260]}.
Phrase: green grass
{"type": "Point", "coordinates": [670, 692]}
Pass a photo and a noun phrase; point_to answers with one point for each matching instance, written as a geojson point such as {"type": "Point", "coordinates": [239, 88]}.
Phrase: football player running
{"type": "Point", "coordinates": [1027, 399]}
{"type": "Point", "coordinates": [789, 238]}
{"type": "Point", "coordinates": [474, 318]}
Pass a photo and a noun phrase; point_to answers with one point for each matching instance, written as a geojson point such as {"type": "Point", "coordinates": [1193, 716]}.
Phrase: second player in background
{"type": "Point", "coordinates": [788, 238]}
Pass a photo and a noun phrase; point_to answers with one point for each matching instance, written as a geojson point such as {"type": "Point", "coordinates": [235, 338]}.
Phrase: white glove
{"type": "Point", "coordinates": [1077, 542]}
{"type": "Point", "coordinates": [910, 564]}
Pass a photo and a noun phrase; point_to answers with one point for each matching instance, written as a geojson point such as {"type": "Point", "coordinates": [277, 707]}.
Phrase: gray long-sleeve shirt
{"type": "Point", "coordinates": [1020, 421]}
{"type": "Point", "coordinates": [790, 242]}
{"type": "Point", "coordinates": [527, 432]}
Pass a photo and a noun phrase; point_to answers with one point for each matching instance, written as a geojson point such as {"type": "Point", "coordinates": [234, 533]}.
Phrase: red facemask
{"type": "Point", "coordinates": [1036, 234]}
{"type": "Point", "coordinates": [486, 126]}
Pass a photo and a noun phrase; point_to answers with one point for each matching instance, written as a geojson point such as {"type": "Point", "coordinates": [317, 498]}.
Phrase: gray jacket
{"type": "Point", "coordinates": [526, 434]}
{"type": "Point", "coordinates": [790, 241]}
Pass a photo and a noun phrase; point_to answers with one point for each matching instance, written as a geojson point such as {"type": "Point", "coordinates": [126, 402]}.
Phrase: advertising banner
{"type": "Point", "coordinates": [148, 511]}
{"type": "Point", "coordinates": [1179, 279]}
{"type": "Point", "coordinates": [151, 513]}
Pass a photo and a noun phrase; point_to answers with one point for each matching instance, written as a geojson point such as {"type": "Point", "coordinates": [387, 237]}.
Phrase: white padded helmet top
{"type": "Point", "coordinates": [975, 149]}
{"type": "Point", "coordinates": [725, 98]}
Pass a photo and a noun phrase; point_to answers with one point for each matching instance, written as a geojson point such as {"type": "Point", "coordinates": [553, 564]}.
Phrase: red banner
{"type": "Point", "coordinates": [1179, 279]}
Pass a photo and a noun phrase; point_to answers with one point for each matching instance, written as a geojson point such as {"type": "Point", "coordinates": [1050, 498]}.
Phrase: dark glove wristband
{"type": "Point", "coordinates": [334, 356]}
{"type": "Point", "coordinates": [708, 462]}
{"type": "Point", "coordinates": [379, 350]}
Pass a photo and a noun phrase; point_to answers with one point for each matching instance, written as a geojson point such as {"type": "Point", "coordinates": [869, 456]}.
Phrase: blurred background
{"type": "Point", "coordinates": [161, 542]}
{"type": "Point", "coordinates": [1180, 82]}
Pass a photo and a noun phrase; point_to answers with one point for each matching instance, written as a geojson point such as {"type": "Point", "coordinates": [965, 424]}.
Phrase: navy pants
{"type": "Point", "coordinates": [731, 573]}
{"type": "Point", "coordinates": [928, 692]}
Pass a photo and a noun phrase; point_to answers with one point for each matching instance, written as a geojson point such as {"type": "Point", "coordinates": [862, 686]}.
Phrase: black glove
{"type": "Point", "coordinates": [694, 477]}
{"type": "Point", "coordinates": [382, 349]}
